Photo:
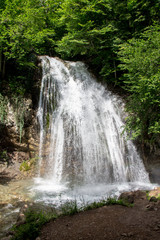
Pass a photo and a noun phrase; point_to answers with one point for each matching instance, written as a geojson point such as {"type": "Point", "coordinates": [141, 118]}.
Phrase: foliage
{"type": "Point", "coordinates": [3, 109]}
{"type": "Point", "coordinates": [90, 33]}
{"type": "Point", "coordinates": [23, 26]}
{"type": "Point", "coordinates": [95, 31]}
{"type": "Point", "coordinates": [141, 61]}
{"type": "Point", "coordinates": [108, 202]}
{"type": "Point", "coordinates": [28, 164]}
{"type": "Point", "coordinates": [70, 208]}
{"type": "Point", "coordinates": [4, 157]}
{"type": "Point", "coordinates": [30, 230]}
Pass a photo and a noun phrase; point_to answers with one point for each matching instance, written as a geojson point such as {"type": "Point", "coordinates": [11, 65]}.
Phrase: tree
{"type": "Point", "coordinates": [89, 33]}
{"type": "Point", "coordinates": [25, 29]}
{"type": "Point", "coordinates": [141, 61]}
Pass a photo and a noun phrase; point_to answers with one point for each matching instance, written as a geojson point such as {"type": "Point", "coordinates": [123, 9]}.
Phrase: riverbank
{"type": "Point", "coordinates": [140, 222]}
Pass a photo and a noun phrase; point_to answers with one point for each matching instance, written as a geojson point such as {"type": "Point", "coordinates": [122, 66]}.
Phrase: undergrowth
{"type": "Point", "coordinates": [30, 229]}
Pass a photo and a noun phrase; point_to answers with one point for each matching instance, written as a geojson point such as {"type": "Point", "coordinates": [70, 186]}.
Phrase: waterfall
{"type": "Point", "coordinates": [83, 154]}
{"type": "Point", "coordinates": [81, 127]}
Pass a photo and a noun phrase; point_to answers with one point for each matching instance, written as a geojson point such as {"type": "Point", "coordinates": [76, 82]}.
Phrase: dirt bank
{"type": "Point", "coordinates": [140, 222]}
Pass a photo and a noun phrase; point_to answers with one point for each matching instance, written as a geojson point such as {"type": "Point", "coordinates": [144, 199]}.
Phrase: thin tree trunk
{"type": "Point", "coordinates": [0, 62]}
{"type": "Point", "coordinates": [4, 68]}
{"type": "Point", "coordinates": [115, 71]}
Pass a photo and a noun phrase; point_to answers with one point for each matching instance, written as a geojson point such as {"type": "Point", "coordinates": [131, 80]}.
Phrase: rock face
{"type": "Point", "coordinates": [19, 140]}
{"type": "Point", "coordinates": [134, 197]}
{"type": "Point", "coordinates": [151, 158]}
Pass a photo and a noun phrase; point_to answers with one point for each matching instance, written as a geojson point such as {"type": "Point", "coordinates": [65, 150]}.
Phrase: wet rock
{"type": "Point", "coordinates": [156, 229]}
{"type": "Point", "coordinates": [124, 234]}
{"type": "Point", "coordinates": [127, 235]}
{"type": "Point", "coordinates": [21, 219]}
{"type": "Point", "coordinates": [10, 233]}
{"type": "Point", "coordinates": [153, 199]}
{"type": "Point", "coordinates": [130, 234]}
{"type": "Point", "coordinates": [136, 197]}
{"type": "Point", "coordinates": [150, 207]}
{"type": "Point", "coordinates": [127, 197]}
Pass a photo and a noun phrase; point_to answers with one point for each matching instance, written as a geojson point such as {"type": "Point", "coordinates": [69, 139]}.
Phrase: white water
{"type": "Point", "coordinates": [82, 151]}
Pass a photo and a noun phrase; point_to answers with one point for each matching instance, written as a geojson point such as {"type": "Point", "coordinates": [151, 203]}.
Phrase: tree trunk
{"type": "Point", "coordinates": [115, 71]}
{"type": "Point", "coordinates": [4, 68]}
{"type": "Point", "coordinates": [0, 61]}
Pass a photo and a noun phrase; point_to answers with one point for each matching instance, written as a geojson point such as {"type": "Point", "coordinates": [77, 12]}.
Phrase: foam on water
{"type": "Point", "coordinates": [56, 194]}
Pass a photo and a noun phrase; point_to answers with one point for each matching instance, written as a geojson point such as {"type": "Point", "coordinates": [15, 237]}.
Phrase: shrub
{"type": "Point", "coordinates": [31, 228]}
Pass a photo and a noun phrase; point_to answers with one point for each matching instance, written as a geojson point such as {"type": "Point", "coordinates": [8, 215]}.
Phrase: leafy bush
{"type": "Point", "coordinates": [27, 165]}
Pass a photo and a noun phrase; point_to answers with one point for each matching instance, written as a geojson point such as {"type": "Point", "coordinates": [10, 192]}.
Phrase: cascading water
{"type": "Point", "coordinates": [81, 141]}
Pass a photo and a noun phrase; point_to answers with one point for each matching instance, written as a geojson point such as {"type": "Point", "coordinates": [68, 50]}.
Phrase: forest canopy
{"type": "Point", "coordinates": [119, 40]}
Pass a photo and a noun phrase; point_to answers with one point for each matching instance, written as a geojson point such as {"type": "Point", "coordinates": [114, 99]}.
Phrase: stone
{"type": "Point", "coordinates": [153, 199]}
{"type": "Point", "coordinates": [127, 196]}
{"type": "Point", "coordinates": [150, 207]}
{"type": "Point", "coordinates": [124, 234]}
{"type": "Point", "coordinates": [156, 229]}
{"type": "Point", "coordinates": [130, 234]}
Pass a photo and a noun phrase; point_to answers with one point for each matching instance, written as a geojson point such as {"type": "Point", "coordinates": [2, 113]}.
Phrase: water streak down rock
{"type": "Point", "coordinates": [81, 127]}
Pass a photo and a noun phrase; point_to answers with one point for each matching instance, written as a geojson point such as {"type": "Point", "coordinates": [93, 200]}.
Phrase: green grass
{"type": "Point", "coordinates": [109, 201]}
{"type": "Point", "coordinates": [70, 208]}
{"type": "Point", "coordinates": [30, 229]}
